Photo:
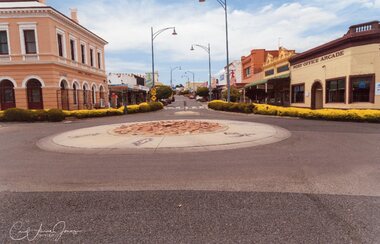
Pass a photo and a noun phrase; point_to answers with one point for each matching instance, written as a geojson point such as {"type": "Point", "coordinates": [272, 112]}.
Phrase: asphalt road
{"type": "Point", "coordinates": [319, 186]}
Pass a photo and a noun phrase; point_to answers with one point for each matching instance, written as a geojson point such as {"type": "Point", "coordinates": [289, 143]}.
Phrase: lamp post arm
{"type": "Point", "coordinates": [157, 33]}
{"type": "Point", "coordinates": [223, 3]}
{"type": "Point", "coordinates": [207, 49]}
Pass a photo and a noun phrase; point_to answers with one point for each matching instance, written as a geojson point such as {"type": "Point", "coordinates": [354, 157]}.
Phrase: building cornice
{"type": "Point", "coordinates": [46, 12]}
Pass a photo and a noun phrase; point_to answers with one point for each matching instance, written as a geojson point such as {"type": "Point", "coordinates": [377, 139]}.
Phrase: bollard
{"type": "Point", "coordinates": [184, 105]}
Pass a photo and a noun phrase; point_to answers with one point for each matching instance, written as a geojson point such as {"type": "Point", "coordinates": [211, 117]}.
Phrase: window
{"type": "Point", "coordinates": [336, 91]}
{"type": "Point", "coordinates": [298, 93]}
{"type": "Point", "coordinates": [269, 72]}
{"type": "Point", "coordinates": [92, 57]}
{"type": "Point", "coordinates": [60, 44]}
{"type": "Point", "coordinates": [4, 43]}
{"type": "Point", "coordinates": [362, 89]}
{"type": "Point", "coordinates": [83, 53]}
{"type": "Point", "coordinates": [283, 69]}
{"type": "Point", "coordinates": [75, 94]}
{"type": "Point", "coordinates": [247, 72]}
{"type": "Point", "coordinates": [99, 60]}
{"type": "Point", "coordinates": [73, 49]}
{"type": "Point", "coordinates": [30, 42]}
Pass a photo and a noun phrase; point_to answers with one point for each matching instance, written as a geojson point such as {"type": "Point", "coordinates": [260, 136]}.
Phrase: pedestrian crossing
{"type": "Point", "coordinates": [186, 108]}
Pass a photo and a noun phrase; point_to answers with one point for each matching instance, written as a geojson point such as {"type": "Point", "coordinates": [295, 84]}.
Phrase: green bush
{"type": "Point", "coordinates": [202, 91]}
{"type": "Point", "coordinates": [55, 115]}
{"type": "Point", "coordinates": [155, 106]}
{"type": "Point", "coordinates": [18, 115]}
{"type": "Point", "coordinates": [164, 92]}
{"type": "Point", "coordinates": [231, 107]}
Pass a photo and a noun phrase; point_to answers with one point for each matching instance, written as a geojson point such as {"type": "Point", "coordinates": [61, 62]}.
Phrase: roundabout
{"type": "Point", "coordinates": [165, 136]}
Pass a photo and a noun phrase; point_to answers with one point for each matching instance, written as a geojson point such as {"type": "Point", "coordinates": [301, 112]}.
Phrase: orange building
{"type": "Point", "coordinates": [253, 64]}
{"type": "Point", "coordinates": [48, 60]}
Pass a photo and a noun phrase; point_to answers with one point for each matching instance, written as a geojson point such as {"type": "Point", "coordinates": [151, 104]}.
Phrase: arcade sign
{"type": "Point", "coordinates": [320, 59]}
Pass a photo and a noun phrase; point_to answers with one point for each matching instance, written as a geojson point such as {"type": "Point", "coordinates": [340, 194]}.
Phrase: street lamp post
{"type": "Point", "coordinates": [223, 3]}
{"type": "Point", "coordinates": [124, 100]}
{"type": "Point", "coordinates": [208, 50]}
{"type": "Point", "coordinates": [154, 36]}
{"type": "Point", "coordinates": [171, 74]}
{"type": "Point", "coordinates": [193, 78]}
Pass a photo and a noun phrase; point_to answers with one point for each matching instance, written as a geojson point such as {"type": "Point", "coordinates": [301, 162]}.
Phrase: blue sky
{"type": "Point", "coordinates": [125, 24]}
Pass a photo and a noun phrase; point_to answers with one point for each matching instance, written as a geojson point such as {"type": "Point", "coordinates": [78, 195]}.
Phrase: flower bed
{"type": "Point", "coordinates": [56, 115]}
{"type": "Point", "coordinates": [365, 115]}
{"type": "Point", "coordinates": [359, 115]}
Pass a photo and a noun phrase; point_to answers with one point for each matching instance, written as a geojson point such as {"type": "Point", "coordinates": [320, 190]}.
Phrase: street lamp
{"type": "Point", "coordinates": [171, 74]}
{"type": "Point", "coordinates": [193, 78]}
{"type": "Point", "coordinates": [208, 50]}
{"type": "Point", "coordinates": [223, 3]}
{"type": "Point", "coordinates": [154, 35]}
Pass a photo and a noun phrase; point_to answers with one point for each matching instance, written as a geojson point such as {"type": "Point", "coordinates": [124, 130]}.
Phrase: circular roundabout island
{"type": "Point", "coordinates": [165, 136]}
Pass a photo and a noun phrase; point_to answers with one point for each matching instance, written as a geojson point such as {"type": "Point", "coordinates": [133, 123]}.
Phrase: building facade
{"type": "Point", "coordinates": [344, 73]}
{"type": "Point", "coordinates": [272, 85]}
{"type": "Point", "coordinates": [253, 64]}
{"type": "Point", "coordinates": [48, 60]}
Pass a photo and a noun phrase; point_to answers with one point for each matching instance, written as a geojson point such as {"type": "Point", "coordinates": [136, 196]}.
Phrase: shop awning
{"type": "Point", "coordinates": [256, 83]}
{"type": "Point", "coordinates": [261, 82]}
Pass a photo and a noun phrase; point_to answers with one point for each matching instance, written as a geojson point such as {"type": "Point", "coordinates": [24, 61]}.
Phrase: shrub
{"type": "Point", "coordinates": [1, 115]}
{"type": "Point", "coordinates": [82, 114]}
{"type": "Point", "coordinates": [234, 94]}
{"type": "Point", "coordinates": [231, 107]}
{"type": "Point", "coordinates": [144, 107]}
{"type": "Point", "coordinates": [202, 91]}
{"type": "Point", "coordinates": [18, 115]}
{"type": "Point", "coordinates": [55, 115]}
{"type": "Point", "coordinates": [164, 92]}
{"type": "Point", "coordinates": [155, 106]}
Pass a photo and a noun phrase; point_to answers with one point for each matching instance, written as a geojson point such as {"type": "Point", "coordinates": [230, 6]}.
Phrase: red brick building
{"type": "Point", "coordinates": [253, 64]}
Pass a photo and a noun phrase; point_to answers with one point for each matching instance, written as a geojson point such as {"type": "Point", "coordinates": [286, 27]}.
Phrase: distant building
{"type": "Point", "coordinates": [48, 60]}
{"type": "Point", "coordinates": [131, 87]}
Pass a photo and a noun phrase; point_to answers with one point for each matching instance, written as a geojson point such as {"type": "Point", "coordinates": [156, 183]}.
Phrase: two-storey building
{"type": "Point", "coordinates": [48, 60]}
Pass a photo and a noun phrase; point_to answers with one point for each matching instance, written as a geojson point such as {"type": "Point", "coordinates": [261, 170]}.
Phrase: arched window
{"type": "Point", "coordinates": [75, 93]}
{"type": "Point", "coordinates": [7, 95]}
{"type": "Point", "coordinates": [85, 95]}
{"type": "Point", "coordinates": [93, 93]}
{"type": "Point", "coordinates": [64, 95]}
{"type": "Point", "coordinates": [34, 94]}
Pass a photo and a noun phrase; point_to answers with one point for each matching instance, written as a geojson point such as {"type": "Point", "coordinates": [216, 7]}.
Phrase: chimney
{"type": "Point", "coordinates": [74, 14]}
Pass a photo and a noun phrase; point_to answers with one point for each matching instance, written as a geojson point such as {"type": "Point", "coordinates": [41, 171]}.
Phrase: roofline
{"type": "Point", "coordinates": [63, 15]}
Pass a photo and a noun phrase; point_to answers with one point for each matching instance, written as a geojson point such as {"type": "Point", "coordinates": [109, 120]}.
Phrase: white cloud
{"type": "Point", "coordinates": [126, 25]}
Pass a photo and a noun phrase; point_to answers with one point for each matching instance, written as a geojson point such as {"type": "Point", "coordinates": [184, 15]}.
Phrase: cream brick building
{"type": "Point", "coordinates": [344, 73]}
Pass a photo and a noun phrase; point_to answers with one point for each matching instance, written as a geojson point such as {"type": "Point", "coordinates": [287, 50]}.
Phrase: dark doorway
{"type": "Point", "coordinates": [65, 95]}
{"type": "Point", "coordinates": [317, 95]}
{"type": "Point", "coordinates": [34, 93]}
{"type": "Point", "coordinates": [7, 95]}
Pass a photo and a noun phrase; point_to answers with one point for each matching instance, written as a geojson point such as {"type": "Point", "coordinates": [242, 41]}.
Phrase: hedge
{"type": "Point", "coordinates": [231, 107]}
{"type": "Point", "coordinates": [358, 115]}
{"type": "Point", "coordinates": [57, 115]}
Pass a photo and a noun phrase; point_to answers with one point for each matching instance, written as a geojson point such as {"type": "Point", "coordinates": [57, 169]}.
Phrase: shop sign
{"type": "Point", "coordinates": [320, 59]}
{"type": "Point", "coordinates": [377, 89]}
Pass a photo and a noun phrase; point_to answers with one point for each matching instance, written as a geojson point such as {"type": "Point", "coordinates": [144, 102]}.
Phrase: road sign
{"type": "Point", "coordinates": [153, 92]}
{"type": "Point", "coordinates": [154, 98]}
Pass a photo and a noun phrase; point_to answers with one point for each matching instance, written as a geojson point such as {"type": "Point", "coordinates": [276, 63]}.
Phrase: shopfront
{"type": "Point", "coordinates": [344, 73]}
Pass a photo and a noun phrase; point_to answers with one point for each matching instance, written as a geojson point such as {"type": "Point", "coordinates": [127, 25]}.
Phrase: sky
{"type": "Point", "coordinates": [126, 25]}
